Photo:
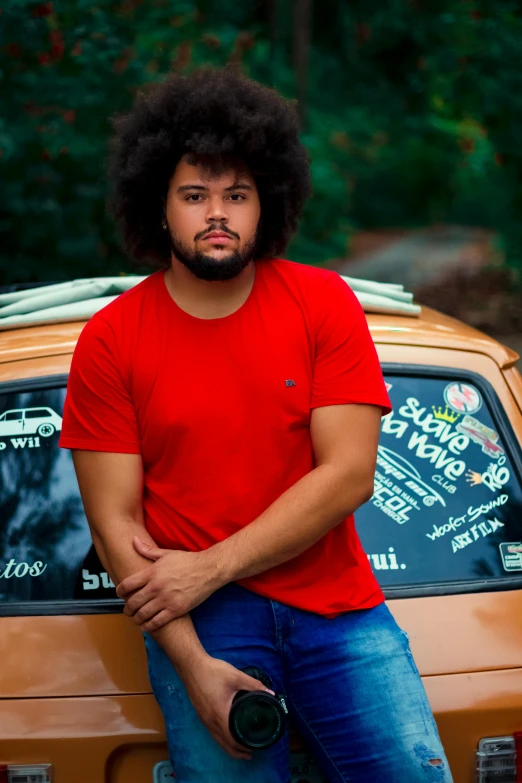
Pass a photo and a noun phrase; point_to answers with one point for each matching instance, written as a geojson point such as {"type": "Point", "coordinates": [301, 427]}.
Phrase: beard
{"type": "Point", "coordinates": [206, 267]}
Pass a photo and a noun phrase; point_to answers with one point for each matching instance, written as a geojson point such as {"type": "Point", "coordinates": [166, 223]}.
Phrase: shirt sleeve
{"type": "Point", "coordinates": [98, 413]}
{"type": "Point", "coordinates": [346, 367]}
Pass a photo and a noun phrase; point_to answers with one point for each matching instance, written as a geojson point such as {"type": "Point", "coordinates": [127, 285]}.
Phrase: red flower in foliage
{"type": "Point", "coordinates": [14, 49]}
{"type": "Point", "coordinates": [56, 51]}
{"type": "Point", "coordinates": [69, 115]}
{"type": "Point", "coordinates": [363, 32]}
{"type": "Point", "coordinates": [77, 49]}
{"type": "Point", "coordinates": [121, 63]}
{"type": "Point", "coordinates": [43, 9]}
{"type": "Point", "coordinates": [57, 44]}
{"type": "Point", "coordinates": [467, 145]}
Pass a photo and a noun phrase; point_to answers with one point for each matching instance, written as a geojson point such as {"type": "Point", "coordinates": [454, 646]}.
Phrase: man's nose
{"type": "Point", "coordinates": [216, 211]}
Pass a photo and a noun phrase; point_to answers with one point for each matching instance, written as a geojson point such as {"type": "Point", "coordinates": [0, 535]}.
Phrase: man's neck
{"type": "Point", "coordinates": [204, 299]}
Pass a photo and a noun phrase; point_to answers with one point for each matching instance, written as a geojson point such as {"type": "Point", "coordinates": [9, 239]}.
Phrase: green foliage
{"type": "Point", "coordinates": [413, 115]}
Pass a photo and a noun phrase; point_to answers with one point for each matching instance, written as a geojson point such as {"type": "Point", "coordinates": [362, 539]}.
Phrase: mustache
{"type": "Point", "coordinates": [223, 229]}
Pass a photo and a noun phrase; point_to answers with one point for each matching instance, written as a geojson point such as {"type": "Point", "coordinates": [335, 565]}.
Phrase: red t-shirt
{"type": "Point", "coordinates": [220, 411]}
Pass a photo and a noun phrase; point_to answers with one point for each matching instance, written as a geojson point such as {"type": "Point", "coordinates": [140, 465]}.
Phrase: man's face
{"type": "Point", "coordinates": [212, 220]}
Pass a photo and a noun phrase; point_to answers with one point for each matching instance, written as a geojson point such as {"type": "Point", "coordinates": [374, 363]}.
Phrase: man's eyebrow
{"type": "Point", "coordinates": [191, 187]}
{"type": "Point", "coordinates": [236, 186]}
{"type": "Point", "coordinates": [239, 186]}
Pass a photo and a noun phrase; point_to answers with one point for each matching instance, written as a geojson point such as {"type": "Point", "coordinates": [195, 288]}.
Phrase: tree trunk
{"type": "Point", "coordinates": [302, 35]}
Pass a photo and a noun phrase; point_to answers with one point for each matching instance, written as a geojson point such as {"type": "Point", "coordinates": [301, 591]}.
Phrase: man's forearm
{"type": "Point", "coordinates": [115, 549]}
{"type": "Point", "coordinates": [293, 523]}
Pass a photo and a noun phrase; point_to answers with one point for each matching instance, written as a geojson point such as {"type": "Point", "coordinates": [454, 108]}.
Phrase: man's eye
{"type": "Point", "coordinates": [194, 197]}
{"type": "Point", "coordinates": [237, 197]}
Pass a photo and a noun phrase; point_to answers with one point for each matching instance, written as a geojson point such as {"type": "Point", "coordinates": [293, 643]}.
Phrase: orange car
{"type": "Point", "coordinates": [443, 532]}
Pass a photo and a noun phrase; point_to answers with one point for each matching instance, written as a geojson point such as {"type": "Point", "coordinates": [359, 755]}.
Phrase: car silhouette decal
{"type": "Point", "coordinates": [41, 421]}
{"type": "Point", "coordinates": [398, 487]}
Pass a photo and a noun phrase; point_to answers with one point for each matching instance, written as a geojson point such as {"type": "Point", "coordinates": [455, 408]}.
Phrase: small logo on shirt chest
{"type": "Point", "coordinates": [290, 382]}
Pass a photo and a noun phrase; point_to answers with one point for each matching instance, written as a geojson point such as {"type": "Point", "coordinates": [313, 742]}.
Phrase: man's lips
{"type": "Point", "coordinates": [219, 236]}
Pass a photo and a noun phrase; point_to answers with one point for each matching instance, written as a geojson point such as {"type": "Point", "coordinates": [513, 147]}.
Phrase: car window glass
{"type": "Point", "coordinates": [46, 552]}
{"type": "Point", "coordinates": [37, 413]}
{"type": "Point", "coordinates": [13, 416]}
{"type": "Point", "coordinates": [447, 504]}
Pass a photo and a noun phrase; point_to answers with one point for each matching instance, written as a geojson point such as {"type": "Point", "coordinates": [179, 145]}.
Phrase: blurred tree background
{"type": "Point", "coordinates": [411, 111]}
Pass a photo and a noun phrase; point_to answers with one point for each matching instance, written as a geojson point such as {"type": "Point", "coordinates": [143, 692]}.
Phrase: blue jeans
{"type": "Point", "coordinates": [351, 686]}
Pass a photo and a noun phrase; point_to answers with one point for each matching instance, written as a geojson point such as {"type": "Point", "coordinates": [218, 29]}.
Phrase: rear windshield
{"type": "Point", "coordinates": [447, 504]}
{"type": "Point", "coordinates": [46, 552]}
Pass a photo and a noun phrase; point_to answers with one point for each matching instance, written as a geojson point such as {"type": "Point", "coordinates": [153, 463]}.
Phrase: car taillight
{"type": "Point", "coordinates": [26, 773]}
{"type": "Point", "coordinates": [499, 759]}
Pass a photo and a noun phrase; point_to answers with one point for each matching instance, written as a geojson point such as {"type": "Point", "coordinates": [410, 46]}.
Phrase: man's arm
{"type": "Point", "coordinates": [345, 440]}
{"type": "Point", "coordinates": [111, 487]}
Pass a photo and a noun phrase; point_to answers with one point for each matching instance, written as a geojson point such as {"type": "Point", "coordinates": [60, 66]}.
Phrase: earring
{"type": "Point", "coordinates": [164, 224]}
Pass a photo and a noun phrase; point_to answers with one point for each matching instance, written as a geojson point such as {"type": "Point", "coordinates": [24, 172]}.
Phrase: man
{"type": "Point", "coordinates": [224, 417]}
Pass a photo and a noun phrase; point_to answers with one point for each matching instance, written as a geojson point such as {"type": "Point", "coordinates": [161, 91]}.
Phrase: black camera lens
{"type": "Point", "coordinates": [257, 719]}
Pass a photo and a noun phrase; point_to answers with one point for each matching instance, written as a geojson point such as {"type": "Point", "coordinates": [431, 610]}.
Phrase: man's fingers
{"type": "Point", "coordinates": [150, 552]}
{"type": "Point", "coordinates": [234, 749]}
{"type": "Point", "coordinates": [251, 684]}
{"type": "Point", "coordinates": [133, 582]}
{"type": "Point", "coordinates": [244, 755]}
{"type": "Point", "coordinates": [136, 601]}
{"type": "Point", "coordinates": [147, 611]}
{"type": "Point", "coordinates": [241, 752]}
{"type": "Point", "coordinates": [158, 621]}
{"type": "Point", "coordinates": [227, 741]}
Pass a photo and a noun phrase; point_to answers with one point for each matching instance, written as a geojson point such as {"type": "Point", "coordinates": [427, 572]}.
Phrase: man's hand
{"type": "Point", "coordinates": [176, 583]}
{"type": "Point", "coordinates": [211, 686]}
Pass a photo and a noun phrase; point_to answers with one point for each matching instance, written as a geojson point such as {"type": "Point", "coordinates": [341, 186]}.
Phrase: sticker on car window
{"type": "Point", "coordinates": [95, 581]}
{"type": "Point", "coordinates": [19, 570]}
{"type": "Point", "coordinates": [399, 489]}
{"type": "Point", "coordinates": [436, 440]}
{"type": "Point", "coordinates": [511, 554]}
{"type": "Point", "coordinates": [463, 398]}
{"type": "Point", "coordinates": [23, 427]}
{"type": "Point", "coordinates": [484, 436]}
{"type": "Point", "coordinates": [386, 561]}
{"type": "Point", "coordinates": [494, 477]}
{"type": "Point", "coordinates": [446, 491]}
{"type": "Point", "coordinates": [454, 523]}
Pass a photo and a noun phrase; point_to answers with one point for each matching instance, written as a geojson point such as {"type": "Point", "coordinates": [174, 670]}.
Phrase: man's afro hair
{"type": "Point", "coordinates": [214, 115]}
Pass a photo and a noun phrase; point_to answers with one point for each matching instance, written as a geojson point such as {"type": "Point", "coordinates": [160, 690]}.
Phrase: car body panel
{"type": "Point", "coordinates": [98, 654]}
{"type": "Point", "coordinates": [38, 341]}
{"type": "Point", "coordinates": [26, 369]}
{"type": "Point", "coordinates": [514, 381]}
{"type": "Point", "coordinates": [120, 738]}
{"type": "Point", "coordinates": [104, 654]}
{"type": "Point", "coordinates": [433, 329]}
{"type": "Point", "coordinates": [75, 689]}
{"type": "Point", "coordinates": [82, 737]}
